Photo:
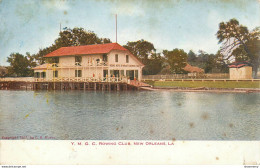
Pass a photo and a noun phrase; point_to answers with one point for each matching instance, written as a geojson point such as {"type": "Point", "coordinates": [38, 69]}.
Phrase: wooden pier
{"type": "Point", "coordinates": [104, 86]}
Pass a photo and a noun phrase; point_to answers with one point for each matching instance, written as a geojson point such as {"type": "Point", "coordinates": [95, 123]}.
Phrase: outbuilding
{"type": "Point", "coordinates": [240, 70]}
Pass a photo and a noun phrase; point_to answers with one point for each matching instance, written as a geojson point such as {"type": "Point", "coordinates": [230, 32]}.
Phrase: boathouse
{"type": "Point", "coordinates": [100, 62]}
{"type": "Point", "coordinates": [240, 70]}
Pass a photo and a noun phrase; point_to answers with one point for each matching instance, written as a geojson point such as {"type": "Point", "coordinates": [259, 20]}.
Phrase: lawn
{"type": "Point", "coordinates": [209, 84]}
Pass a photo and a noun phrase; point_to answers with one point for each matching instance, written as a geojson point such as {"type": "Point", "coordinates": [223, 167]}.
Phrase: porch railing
{"type": "Point", "coordinates": [17, 79]}
{"type": "Point", "coordinates": [83, 79]}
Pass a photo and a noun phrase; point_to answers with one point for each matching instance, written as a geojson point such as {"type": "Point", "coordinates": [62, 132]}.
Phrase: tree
{"type": "Point", "coordinates": [19, 65]}
{"type": "Point", "coordinates": [154, 64]}
{"type": "Point", "coordinates": [191, 56]}
{"type": "Point", "coordinates": [236, 40]}
{"type": "Point", "coordinates": [3, 71]}
{"type": "Point", "coordinates": [71, 37]}
{"type": "Point", "coordinates": [210, 63]}
{"type": "Point", "coordinates": [177, 59]}
{"type": "Point", "coordinates": [220, 64]}
{"type": "Point", "coordinates": [141, 48]}
{"type": "Point", "coordinates": [77, 37]}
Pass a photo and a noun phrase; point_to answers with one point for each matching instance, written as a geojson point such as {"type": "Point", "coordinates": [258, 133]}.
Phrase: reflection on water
{"type": "Point", "coordinates": [161, 115]}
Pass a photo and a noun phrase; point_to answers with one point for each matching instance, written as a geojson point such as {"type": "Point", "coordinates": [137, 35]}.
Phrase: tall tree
{"type": "Point", "coordinates": [19, 65]}
{"type": "Point", "coordinates": [154, 64]}
{"type": "Point", "coordinates": [77, 37]}
{"type": "Point", "coordinates": [236, 38]}
{"type": "Point", "coordinates": [177, 59]}
{"type": "Point", "coordinates": [210, 63]}
{"type": "Point", "coordinates": [141, 48]}
{"type": "Point", "coordinates": [221, 65]}
{"type": "Point", "coordinates": [3, 71]}
{"type": "Point", "coordinates": [71, 37]}
{"type": "Point", "coordinates": [191, 56]}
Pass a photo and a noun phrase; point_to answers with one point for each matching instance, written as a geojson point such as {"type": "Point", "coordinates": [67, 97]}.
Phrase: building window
{"type": "Point", "coordinates": [78, 59]}
{"type": "Point", "coordinates": [43, 74]}
{"type": "Point", "coordinates": [114, 73]}
{"type": "Point", "coordinates": [105, 57]}
{"type": "Point", "coordinates": [105, 73]}
{"type": "Point", "coordinates": [55, 60]}
{"type": "Point", "coordinates": [98, 61]}
{"type": "Point", "coordinates": [116, 58]}
{"type": "Point", "coordinates": [55, 74]}
{"type": "Point", "coordinates": [37, 74]}
{"type": "Point", "coordinates": [78, 73]}
{"type": "Point", "coordinates": [127, 58]}
{"type": "Point", "coordinates": [130, 74]}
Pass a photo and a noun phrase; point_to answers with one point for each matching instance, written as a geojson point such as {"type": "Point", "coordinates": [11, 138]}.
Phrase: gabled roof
{"type": "Point", "coordinates": [239, 64]}
{"type": "Point", "coordinates": [86, 49]}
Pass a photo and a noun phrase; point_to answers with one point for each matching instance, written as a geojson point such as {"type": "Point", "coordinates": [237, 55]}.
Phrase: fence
{"type": "Point", "coordinates": [66, 79]}
{"type": "Point", "coordinates": [19, 79]}
{"type": "Point", "coordinates": [186, 76]}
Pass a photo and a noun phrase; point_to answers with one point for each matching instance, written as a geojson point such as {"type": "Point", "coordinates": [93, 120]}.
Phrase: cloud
{"type": "Point", "coordinates": [127, 9]}
{"type": "Point", "coordinates": [214, 18]}
{"type": "Point", "coordinates": [56, 4]}
{"type": "Point", "coordinates": [209, 45]}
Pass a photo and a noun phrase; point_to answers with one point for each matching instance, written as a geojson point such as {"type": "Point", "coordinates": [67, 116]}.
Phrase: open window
{"type": "Point", "coordinates": [127, 58]}
{"type": "Point", "coordinates": [105, 57]}
{"type": "Point", "coordinates": [78, 60]}
{"type": "Point", "coordinates": [55, 73]}
{"type": "Point", "coordinates": [98, 61]}
{"type": "Point", "coordinates": [43, 74]}
{"type": "Point", "coordinates": [116, 58]}
{"type": "Point", "coordinates": [78, 73]}
{"type": "Point", "coordinates": [37, 74]}
{"type": "Point", "coordinates": [55, 60]}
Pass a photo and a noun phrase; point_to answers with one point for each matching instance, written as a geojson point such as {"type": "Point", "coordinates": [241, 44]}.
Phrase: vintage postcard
{"type": "Point", "coordinates": [130, 82]}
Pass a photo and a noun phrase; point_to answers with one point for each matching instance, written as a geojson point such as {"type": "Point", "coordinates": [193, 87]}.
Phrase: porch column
{"type": "Point", "coordinates": [69, 74]}
{"type": "Point", "coordinates": [140, 73]}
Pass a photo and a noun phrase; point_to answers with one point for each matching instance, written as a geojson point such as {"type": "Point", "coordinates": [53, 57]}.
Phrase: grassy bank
{"type": "Point", "coordinates": [209, 84]}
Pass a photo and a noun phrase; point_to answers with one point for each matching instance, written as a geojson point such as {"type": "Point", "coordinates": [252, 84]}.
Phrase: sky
{"type": "Point", "coordinates": [28, 25]}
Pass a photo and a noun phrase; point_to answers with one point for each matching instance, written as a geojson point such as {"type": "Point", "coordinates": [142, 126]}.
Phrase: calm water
{"type": "Point", "coordinates": [158, 115]}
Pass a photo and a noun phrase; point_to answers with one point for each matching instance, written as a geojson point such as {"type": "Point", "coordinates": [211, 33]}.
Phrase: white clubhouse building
{"type": "Point", "coordinates": [101, 62]}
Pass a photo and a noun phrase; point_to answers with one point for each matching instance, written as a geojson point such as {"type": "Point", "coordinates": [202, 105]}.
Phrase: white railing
{"type": "Point", "coordinates": [83, 79]}
{"type": "Point", "coordinates": [65, 79]}
{"type": "Point", "coordinates": [17, 79]}
{"type": "Point", "coordinates": [79, 65]}
{"type": "Point", "coordinates": [187, 76]}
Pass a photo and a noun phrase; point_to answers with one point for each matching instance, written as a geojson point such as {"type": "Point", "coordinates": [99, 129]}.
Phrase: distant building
{"type": "Point", "coordinates": [193, 69]}
{"type": "Point", "coordinates": [101, 62]}
{"type": "Point", "coordinates": [188, 68]}
{"type": "Point", "coordinates": [240, 70]}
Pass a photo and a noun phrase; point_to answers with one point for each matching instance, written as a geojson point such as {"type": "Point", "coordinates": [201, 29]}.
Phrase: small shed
{"type": "Point", "coordinates": [193, 69]}
{"type": "Point", "coordinates": [240, 70]}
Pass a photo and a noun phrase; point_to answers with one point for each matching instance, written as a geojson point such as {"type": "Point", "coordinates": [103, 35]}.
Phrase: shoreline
{"type": "Point", "coordinates": [203, 89]}
{"type": "Point", "coordinates": [171, 89]}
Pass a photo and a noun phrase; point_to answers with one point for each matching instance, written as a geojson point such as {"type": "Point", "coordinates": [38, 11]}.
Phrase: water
{"type": "Point", "coordinates": [146, 115]}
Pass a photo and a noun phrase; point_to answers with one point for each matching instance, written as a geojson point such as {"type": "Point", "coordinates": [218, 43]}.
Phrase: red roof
{"type": "Point", "coordinates": [238, 64]}
{"type": "Point", "coordinates": [190, 68]}
{"type": "Point", "coordinates": [86, 49]}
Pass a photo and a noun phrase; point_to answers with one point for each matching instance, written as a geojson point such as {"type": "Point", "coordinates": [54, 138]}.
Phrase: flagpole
{"type": "Point", "coordinates": [116, 28]}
